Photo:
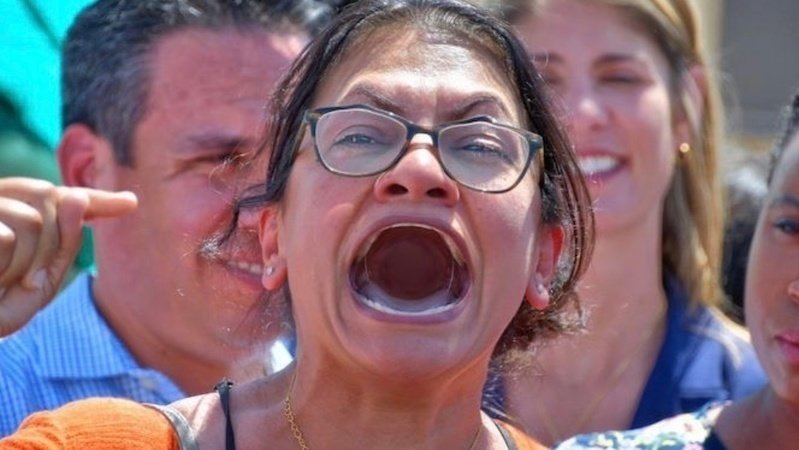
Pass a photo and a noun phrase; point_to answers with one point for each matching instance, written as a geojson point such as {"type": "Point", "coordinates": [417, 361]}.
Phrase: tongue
{"type": "Point", "coordinates": [408, 269]}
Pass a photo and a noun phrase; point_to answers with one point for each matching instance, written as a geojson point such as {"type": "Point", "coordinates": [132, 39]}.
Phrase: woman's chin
{"type": "Point", "coordinates": [408, 361]}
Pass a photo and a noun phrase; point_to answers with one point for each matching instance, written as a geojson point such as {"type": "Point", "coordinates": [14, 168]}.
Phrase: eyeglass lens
{"type": "Point", "coordinates": [479, 154]}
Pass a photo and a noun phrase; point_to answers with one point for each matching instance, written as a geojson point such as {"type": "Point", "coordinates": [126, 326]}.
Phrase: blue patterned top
{"type": "Point", "coordinates": [68, 352]}
{"type": "Point", "coordinates": [701, 360]}
{"type": "Point", "coordinates": [689, 431]}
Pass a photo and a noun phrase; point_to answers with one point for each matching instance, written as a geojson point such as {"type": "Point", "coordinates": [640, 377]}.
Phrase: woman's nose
{"type": "Point", "coordinates": [584, 109]}
{"type": "Point", "coordinates": [418, 176]}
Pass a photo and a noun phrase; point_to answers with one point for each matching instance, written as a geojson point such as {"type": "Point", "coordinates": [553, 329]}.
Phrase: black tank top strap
{"type": "Point", "coordinates": [223, 389]}
{"type": "Point", "coordinates": [509, 441]}
{"type": "Point", "coordinates": [515, 439]}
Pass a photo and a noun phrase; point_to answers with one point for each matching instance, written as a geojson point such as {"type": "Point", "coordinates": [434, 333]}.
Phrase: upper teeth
{"type": "Point", "coordinates": [590, 165]}
{"type": "Point", "coordinates": [255, 269]}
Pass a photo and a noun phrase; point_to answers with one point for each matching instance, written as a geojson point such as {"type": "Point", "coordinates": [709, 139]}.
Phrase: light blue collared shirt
{"type": "Point", "coordinates": [68, 352]}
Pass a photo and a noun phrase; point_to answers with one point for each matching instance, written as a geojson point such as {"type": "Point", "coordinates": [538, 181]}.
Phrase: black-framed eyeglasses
{"type": "Point", "coordinates": [360, 140]}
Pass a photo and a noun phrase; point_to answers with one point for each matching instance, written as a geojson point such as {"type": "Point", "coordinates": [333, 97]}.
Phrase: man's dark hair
{"type": "Point", "coordinates": [105, 59]}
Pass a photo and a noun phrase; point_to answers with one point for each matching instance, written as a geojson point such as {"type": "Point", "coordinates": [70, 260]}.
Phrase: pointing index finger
{"type": "Point", "coordinates": [100, 203]}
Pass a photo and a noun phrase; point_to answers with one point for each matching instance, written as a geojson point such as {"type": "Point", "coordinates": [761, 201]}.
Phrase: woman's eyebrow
{"type": "Point", "coordinates": [478, 100]}
{"type": "Point", "coordinates": [785, 200]}
{"type": "Point", "coordinates": [373, 96]}
{"type": "Point", "coordinates": [544, 58]}
{"type": "Point", "coordinates": [619, 58]}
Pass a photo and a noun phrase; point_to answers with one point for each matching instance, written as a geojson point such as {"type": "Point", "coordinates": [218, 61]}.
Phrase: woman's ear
{"type": "Point", "coordinates": [275, 273]}
{"type": "Point", "coordinates": [548, 249]}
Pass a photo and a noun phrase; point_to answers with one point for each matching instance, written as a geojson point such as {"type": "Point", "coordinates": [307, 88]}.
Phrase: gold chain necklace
{"type": "Point", "coordinates": [590, 410]}
{"type": "Point", "coordinates": [288, 411]}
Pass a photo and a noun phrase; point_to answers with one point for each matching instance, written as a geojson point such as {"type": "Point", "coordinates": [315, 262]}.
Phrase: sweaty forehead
{"type": "Point", "coordinates": [420, 70]}
{"type": "Point", "coordinates": [381, 47]}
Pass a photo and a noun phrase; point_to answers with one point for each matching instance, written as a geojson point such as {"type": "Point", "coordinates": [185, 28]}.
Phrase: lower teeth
{"type": "Point", "coordinates": [386, 309]}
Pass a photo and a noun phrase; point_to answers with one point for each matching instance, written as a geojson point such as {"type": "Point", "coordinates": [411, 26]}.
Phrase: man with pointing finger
{"type": "Point", "coordinates": [165, 99]}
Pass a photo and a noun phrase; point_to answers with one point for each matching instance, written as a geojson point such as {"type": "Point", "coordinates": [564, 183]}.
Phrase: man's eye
{"type": "Point", "coordinates": [233, 159]}
{"type": "Point", "coordinates": [217, 157]}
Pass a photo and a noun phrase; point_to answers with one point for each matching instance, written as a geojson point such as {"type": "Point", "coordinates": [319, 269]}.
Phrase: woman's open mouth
{"type": "Point", "coordinates": [409, 270]}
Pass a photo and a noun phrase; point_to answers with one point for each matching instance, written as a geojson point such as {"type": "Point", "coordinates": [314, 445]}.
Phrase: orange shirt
{"type": "Point", "coordinates": [112, 423]}
{"type": "Point", "coordinates": [97, 423]}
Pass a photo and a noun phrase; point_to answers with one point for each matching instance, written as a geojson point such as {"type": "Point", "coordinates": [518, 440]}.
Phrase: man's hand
{"type": "Point", "coordinates": [40, 234]}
